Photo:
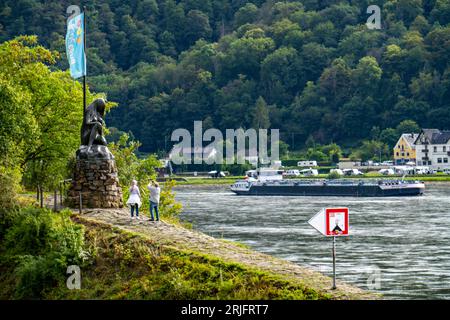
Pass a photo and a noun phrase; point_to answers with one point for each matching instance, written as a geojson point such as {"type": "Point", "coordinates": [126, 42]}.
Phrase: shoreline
{"type": "Point", "coordinates": [184, 240]}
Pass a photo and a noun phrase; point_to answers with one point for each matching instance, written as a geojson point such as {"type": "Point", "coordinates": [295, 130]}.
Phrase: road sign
{"type": "Point", "coordinates": [331, 222]}
{"type": "Point", "coordinates": [336, 221]}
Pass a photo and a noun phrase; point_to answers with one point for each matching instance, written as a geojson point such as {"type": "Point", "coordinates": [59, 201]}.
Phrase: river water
{"type": "Point", "coordinates": [399, 247]}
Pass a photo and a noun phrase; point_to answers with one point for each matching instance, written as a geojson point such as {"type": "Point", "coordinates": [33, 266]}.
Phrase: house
{"type": "Point", "coordinates": [433, 149]}
{"type": "Point", "coordinates": [405, 149]}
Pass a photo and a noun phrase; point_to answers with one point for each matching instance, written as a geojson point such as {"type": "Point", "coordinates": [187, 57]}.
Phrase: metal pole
{"type": "Point", "coordinates": [61, 193]}
{"type": "Point", "coordinates": [41, 196]}
{"type": "Point", "coordinates": [334, 263]}
{"type": "Point", "coordinates": [55, 199]}
{"type": "Point", "coordinates": [85, 57]}
{"type": "Point", "coordinates": [80, 207]}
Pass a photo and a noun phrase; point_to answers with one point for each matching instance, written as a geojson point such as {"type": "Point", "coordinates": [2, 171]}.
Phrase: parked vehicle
{"type": "Point", "coordinates": [292, 173]}
{"type": "Point", "coordinates": [352, 172]}
{"type": "Point", "coordinates": [446, 171]}
{"type": "Point", "coordinates": [387, 172]}
{"type": "Point", "coordinates": [404, 170]}
{"type": "Point", "coordinates": [264, 174]}
{"type": "Point", "coordinates": [309, 172]}
{"type": "Point", "coordinates": [422, 170]}
{"type": "Point", "coordinates": [216, 174]}
{"type": "Point", "coordinates": [308, 163]}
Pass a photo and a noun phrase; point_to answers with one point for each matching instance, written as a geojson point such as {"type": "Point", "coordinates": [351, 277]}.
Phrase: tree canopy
{"type": "Point", "coordinates": [321, 72]}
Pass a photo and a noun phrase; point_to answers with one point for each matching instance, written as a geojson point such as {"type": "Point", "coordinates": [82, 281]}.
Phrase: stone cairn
{"type": "Point", "coordinates": [96, 179]}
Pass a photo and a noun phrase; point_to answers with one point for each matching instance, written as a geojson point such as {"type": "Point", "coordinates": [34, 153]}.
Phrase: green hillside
{"type": "Point", "coordinates": [313, 67]}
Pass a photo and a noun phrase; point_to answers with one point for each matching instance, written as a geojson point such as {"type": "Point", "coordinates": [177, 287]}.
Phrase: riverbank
{"type": "Point", "coordinates": [166, 236]}
{"type": "Point", "coordinates": [231, 180]}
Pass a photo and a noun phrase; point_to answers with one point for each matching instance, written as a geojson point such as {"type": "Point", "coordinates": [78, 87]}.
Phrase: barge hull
{"type": "Point", "coordinates": [327, 190]}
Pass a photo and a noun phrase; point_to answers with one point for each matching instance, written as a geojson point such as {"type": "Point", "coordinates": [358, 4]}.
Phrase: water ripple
{"type": "Point", "coordinates": [399, 247]}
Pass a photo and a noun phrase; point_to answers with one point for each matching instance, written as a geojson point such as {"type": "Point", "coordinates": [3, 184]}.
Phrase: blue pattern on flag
{"type": "Point", "coordinates": [75, 46]}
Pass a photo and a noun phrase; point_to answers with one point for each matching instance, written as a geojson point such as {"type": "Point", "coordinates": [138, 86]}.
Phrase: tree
{"type": "Point", "coordinates": [438, 44]}
{"type": "Point", "coordinates": [366, 76]}
{"type": "Point", "coordinates": [261, 118]}
{"type": "Point", "coordinates": [390, 136]}
{"type": "Point", "coordinates": [245, 54]}
{"type": "Point", "coordinates": [17, 126]}
{"type": "Point", "coordinates": [167, 62]}
{"type": "Point", "coordinates": [407, 10]}
{"type": "Point", "coordinates": [372, 150]}
{"type": "Point", "coordinates": [335, 83]}
{"type": "Point", "coordinates": [245, 14]}
{"type": "Point", "coordinates": [199, 27]}
{"type": "Point", "coordinates": [276, 75]}
{"type": "Point", "coordinates": [441, 12]}
{"type": "Point", "coordinates": [356, 117]}
{"type": "Point", "coordinates": [46, 128]}
{"type": "Point", "coordinates": [316, 154]}
{"type": "Point", "coordinates": [333, 151]}
{"type": "Point", "coordinates": [407, 126]}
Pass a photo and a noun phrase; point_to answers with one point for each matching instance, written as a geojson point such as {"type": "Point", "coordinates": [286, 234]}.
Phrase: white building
{"type": "Point", "coordinates": [433, 149]}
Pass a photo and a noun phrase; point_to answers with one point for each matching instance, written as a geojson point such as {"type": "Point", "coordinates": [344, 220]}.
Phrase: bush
{"type": "Point", "coordinates": [41, 245]}
{"type": "Point", "coordinates": [333, 175]}
{"type": "Point", "coordinates": [169, 207]}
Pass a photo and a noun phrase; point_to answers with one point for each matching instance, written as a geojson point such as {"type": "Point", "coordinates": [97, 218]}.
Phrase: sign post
{"type": "Point", "coordinates": [332, 222]}
{"type": "Point", "coordinates": [334, 263]}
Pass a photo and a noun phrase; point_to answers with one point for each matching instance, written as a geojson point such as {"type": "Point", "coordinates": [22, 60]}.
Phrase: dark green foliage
{"type": "Point", "coordinates": [39, 245]}
{"type": "Point", "coordinates": [322, 73]}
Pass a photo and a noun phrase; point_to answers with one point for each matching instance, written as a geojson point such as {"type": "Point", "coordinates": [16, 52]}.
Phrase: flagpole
{"type": "Point", "coordinates": [85, 62]}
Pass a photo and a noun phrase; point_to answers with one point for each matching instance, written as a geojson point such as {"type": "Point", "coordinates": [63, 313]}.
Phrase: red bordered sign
{"type": "Point", "coordinates": [336, 222]}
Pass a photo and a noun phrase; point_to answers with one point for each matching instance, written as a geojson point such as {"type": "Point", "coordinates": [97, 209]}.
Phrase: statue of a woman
{"type": "Point", "coordinates": [92, 128]}
{"type": "Point", "coordinates": [93, 143]}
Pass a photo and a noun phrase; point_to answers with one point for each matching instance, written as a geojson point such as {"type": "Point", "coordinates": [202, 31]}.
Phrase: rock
{"type": "Point", "coordinates": [96, 179]}
{"type": "Point", "coordinates": [95, 152]}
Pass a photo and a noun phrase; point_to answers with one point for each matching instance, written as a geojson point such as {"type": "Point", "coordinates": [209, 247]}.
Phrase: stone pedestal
{"type": "Point", "coordinates": [97, 180]}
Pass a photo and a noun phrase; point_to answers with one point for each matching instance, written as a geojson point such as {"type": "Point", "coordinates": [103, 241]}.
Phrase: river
{"type": "Point", "coordinates": [399, 247]}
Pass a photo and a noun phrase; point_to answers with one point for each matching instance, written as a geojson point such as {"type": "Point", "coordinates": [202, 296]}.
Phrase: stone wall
{"type": "Point", "coordinates": [98, 183]}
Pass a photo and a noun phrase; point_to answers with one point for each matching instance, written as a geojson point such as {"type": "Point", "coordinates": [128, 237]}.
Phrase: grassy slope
{"type": "Point", "coordinates": [127, 266]}
{"type": "Point", "coordinates": [129, 260]}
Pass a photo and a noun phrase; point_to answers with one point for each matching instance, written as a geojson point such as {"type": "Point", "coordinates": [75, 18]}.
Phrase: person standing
{"type": "Point", "coordinates": [155, 192]}
{"type": "Point", "coordinates": [134, 200]}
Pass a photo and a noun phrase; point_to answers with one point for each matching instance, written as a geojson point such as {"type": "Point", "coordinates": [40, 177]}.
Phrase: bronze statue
{"type": "Point", "coordinates": [93, 143]}
{"type": "Point", "coordinates": [92, 128]}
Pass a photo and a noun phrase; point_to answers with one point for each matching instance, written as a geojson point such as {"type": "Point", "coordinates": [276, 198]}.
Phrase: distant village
{"type": "Point", "coordinates": [424, 152]}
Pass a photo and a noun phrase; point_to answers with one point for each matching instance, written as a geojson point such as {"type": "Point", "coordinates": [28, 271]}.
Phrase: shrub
{"type": "Point", "coordinates": [333, 175]}
{"type": "Point", "coordinates": [41, 245]}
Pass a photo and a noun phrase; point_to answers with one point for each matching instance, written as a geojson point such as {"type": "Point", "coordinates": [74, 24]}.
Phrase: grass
{"type": "Point", "coordinates": [124, 265]}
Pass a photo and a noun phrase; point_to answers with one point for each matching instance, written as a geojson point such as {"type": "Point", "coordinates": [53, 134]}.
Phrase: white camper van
{"type": "Point", "coordinates": [309, 172]}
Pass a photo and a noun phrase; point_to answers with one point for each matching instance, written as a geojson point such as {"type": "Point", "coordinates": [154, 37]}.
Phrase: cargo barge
{"type": "Point", "coordinates": [338, 187]}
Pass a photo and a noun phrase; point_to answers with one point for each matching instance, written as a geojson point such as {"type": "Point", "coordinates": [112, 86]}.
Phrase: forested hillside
{"type": "Point", "coordinates": [311, 68]}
